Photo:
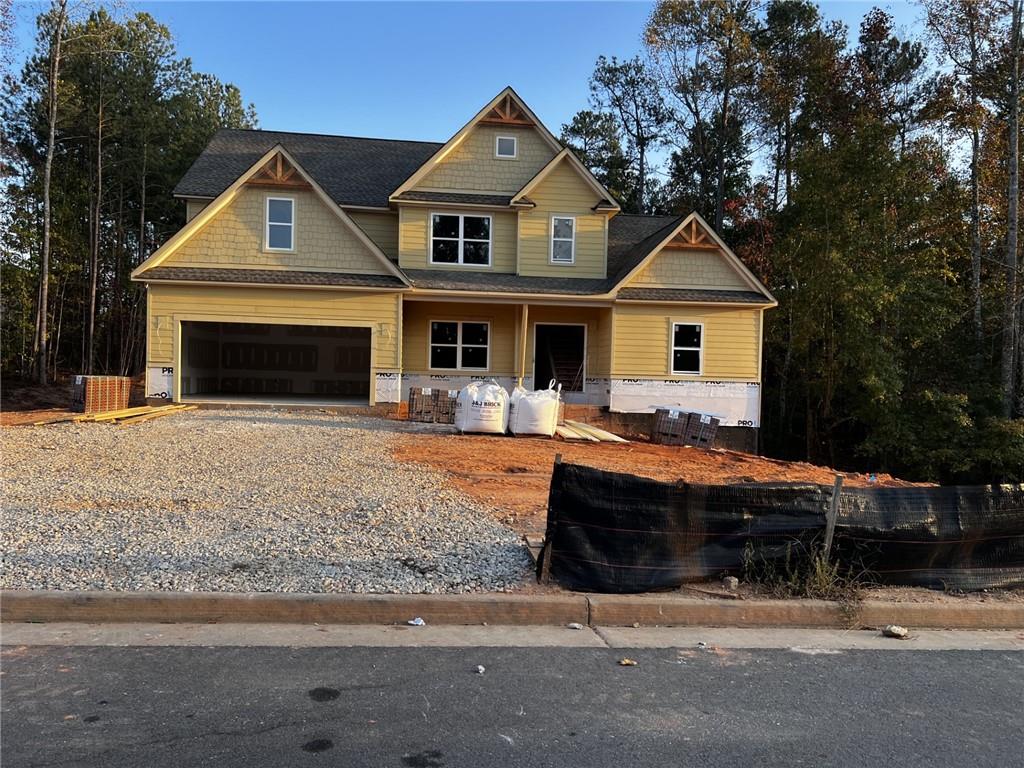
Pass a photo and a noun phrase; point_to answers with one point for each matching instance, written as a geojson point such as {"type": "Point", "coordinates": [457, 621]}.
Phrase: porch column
{"type": "Point", "coordinates": [524, 326]}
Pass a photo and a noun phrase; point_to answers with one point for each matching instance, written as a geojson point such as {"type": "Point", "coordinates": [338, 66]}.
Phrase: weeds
{"type": "Point", "coordinates": [805, 572]}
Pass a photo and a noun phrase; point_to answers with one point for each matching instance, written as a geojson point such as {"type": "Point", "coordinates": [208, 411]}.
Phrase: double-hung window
{"type": "Point", "coordinates": [563, 239]}
{"type": "Point", "coordinates": [687, 348]}
{"type": "Point", "coordinates": [457, 238]}
{"type": "Point", "coordinates": [280, 231]}
{"type": "Point", "coordinates": [457, 345]}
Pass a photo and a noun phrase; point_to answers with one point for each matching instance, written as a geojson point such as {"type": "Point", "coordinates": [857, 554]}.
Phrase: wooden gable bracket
{"type": "Point", "coordinates": [507, 112]}
{"type": "Point", "coordinates": [692, 236]}
{"type": "Point", "coordinates": [278, 172]}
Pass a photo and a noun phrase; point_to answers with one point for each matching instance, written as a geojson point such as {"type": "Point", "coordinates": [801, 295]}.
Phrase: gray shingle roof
{"type": "Point", "coordinates": [692, 294]}
{"type": "Point", "coordinates": [271, 277]}
{"type": "Point", "coordinates": [352, 171]}
{"type": "Point", "coordinates": [500, 282]}
{"type": "Point", "coordinates": [465, 198]}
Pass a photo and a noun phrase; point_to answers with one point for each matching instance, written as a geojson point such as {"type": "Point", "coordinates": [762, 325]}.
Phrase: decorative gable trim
{"type": "Point", "coordinates": [607, 202]}
{"type": "Point", "coordinates": [276, 158]}
{"type": "Point", "coordinates": [278, 172]}
{"type": "Point", "coordinates": [507, 112]}
{"type": "Point", "coordinates": [506, 107]}
{"type": "Point", "coordinates": [695, 233]}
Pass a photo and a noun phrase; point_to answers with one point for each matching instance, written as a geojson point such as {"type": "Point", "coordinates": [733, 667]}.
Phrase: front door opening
{"type": "Point", "coordinates": [267, 361]}
{"type": "Point", "coordinates": [560, 354]}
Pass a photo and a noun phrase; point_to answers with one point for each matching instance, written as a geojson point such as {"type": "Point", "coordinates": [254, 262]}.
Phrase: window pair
{"type": "Point", "coordinates": [458, 345]}
{"type": "Point", "coordinates": [457, 238]}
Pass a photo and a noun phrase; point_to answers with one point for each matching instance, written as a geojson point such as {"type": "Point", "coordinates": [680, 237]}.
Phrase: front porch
{"type": "Point", "coordinates": [450, 343]}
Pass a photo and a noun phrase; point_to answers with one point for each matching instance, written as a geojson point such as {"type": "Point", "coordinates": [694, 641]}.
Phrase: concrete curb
{"type": "Point", "coordinates": [495, 609]}
{"type": "Point", "coordinates": [226, 607]}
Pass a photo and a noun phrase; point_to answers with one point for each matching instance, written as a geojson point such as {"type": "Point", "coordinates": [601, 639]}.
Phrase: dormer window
{"type": "Point", "coordinates": [506, 147]}
{"type": "Point", "coordinates": [280, 231]}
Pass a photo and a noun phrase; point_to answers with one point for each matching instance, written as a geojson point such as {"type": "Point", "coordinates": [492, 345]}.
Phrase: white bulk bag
{"type": "Point", "coordinates": [482, 407]}
{"type": "Point", "coordinates": [534, 413]}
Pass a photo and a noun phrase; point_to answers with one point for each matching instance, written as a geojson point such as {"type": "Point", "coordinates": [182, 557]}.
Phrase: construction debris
{"type": "Point", "coordinates": [895, 630]}
{"type": "Point", "coordinates": [596, 432]}
{"type": "Point", "coordinates": [121, 416]}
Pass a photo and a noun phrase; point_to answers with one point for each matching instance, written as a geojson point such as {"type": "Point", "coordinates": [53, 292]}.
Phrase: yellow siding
{"type": "Point", "coordinates": [731, 341]}
{"type": "Point", "coordinates": [595, 318]}
{"type": "Point", "coordinates": [382, 228]}
{"type": "Point", "coordinates": [472, 166]}
{"type": "Point", "coordinates": [564, 192]}
{"type": "Point", "coordinates": [676, 268]}
{"type": "Point", "coordinates": [193, 207]}
{"type": "Point", "coordinates": [169, 304]}
{"type": "Point", "coordinates": [416, 328]}
{"type": "Point", "coordinates": [234, 238]}
{"type": "Point", "coordinates": [414, 235]}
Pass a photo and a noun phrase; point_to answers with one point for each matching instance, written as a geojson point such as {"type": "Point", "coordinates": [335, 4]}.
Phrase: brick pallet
{"type": "Point", "coordinates": [672, 427]}
{"type": "Point", "coordinates": [432, 405]}
{"type": "Point", "coordinates": [96, 394]}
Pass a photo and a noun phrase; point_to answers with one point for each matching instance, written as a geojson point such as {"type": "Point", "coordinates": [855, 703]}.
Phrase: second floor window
{"type": "Point", "coordinates": [563, 240]}
{"type": "Point", "coordinates": [460, 239]}
{"type": "Point", "coordinates": [280, 234]}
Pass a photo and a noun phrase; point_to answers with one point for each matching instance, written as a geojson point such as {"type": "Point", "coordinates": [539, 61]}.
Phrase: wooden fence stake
{"type": "Point", "coordinates": [833, 513]}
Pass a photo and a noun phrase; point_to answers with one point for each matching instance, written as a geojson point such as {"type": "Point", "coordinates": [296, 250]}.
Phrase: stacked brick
{"type": "Point", "coordinates": [431, 405]}
{"type": "Point", "coordinates": [673, 427]}
{"type": "Point", "coordinates": [98, 394]}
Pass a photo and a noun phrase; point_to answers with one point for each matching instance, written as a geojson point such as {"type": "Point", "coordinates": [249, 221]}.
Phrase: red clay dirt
{"type": "Point", "coordinates": [512, 474]}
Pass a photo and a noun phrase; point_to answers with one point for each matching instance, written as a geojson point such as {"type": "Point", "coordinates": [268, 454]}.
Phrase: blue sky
{"type": "Point", "coordinates": [408, 70]}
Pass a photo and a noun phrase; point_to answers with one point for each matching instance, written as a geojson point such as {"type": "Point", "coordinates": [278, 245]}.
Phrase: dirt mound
{"type": "Point", "coordinates": [512, 474]}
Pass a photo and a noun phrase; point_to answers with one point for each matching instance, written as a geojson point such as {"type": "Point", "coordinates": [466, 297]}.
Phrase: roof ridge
{"type": "Point", "coordinates": [329, 135]}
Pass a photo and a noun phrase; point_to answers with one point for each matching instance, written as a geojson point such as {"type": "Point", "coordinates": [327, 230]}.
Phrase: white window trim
{"type": "Point", "coordinates": [461, 240]}
{"type": "Point", "coordinates": [672, 348]}
{"type": "Point", "coordinates": [266, 224]}
{"type": "Point", "coordinates": [515, 148]}
{"type": "Point", "coordinates": [551, 242]}
{"type": "Point", "coordinates": [458, 345]}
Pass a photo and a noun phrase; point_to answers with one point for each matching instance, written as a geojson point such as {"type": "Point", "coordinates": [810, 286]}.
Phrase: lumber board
{"type": "Point", "coordinates": [156, 413]}
{"type": "Point", "coordinates": [568, 433]}
{"type": "Point", "coordinates": [120, 414]}
{"type": "Point", "coordinates": [601, 434]}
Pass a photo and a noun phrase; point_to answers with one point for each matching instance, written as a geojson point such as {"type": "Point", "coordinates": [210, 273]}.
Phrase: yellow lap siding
{"type": "Point", "coordinates": [731, 341]}
{"type": "Point", "coordinates": [563, 192]}
{"type": "Point", "coordinates": [414, 239]}
{"type": "Point", "coordinates": [416, 333]}
{"type": "Point", "coordinates": [170, 304]}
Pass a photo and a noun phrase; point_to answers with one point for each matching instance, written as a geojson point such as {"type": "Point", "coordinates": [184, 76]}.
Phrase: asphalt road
{"type": "Point", "coordinates": [429, 707]}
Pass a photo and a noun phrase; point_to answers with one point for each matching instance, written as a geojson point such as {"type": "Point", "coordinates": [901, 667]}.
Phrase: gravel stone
{"type": "Point", "coordinates": [242, 501]}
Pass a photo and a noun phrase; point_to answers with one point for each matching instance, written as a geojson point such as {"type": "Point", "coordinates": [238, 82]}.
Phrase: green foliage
{"type": "Point", "coordinates": [132, 116]}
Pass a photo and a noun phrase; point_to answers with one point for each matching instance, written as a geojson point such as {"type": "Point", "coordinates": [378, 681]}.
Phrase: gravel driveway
{"type": "Point", "coordinates": [267, 501]}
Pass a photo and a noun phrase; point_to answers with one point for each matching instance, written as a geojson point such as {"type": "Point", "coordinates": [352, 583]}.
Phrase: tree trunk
{"type": "Point", "coordinates": [51, 140]}
{"type": "Point", "coordinates": [975, 188]}
{"type": "Point", "coordinates": [1010, 339]}
{"type": "Point", "coordinates": [94, 260]}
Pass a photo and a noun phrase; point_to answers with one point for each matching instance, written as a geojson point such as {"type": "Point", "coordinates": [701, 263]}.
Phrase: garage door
{"type": "Point", "coordinates": [270, 361]}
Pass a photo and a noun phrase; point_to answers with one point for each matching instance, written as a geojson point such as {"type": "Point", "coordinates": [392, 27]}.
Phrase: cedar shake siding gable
{"type": "Point", "coordinates": [235, 238]}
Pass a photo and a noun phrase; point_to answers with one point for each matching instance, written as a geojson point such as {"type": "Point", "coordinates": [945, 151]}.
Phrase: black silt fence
{"type": "Point", "coordinates": [613, 532]}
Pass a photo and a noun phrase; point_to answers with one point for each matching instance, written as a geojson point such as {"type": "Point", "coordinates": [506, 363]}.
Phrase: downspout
{"type": "Point", "coordinates": [524, 327]}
